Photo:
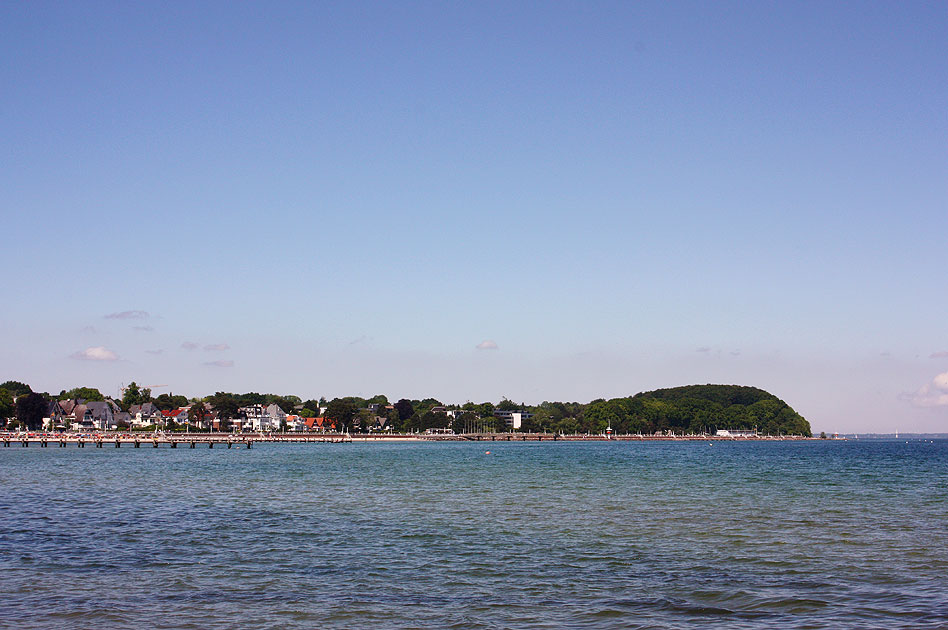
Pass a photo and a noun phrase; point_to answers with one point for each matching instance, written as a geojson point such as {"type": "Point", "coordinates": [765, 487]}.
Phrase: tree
{"type": "Point", "coordinates": [86, 393]}
{"type": "Point", "coordinates": [197, 413]}
{"type": "Point", "coordinates": [170, 401]}
{"type": "Point", "coordinates": [7, 410]}
{"type": "Point", "coordinates": [508, 405]}
{"type": "Point", "coordinates": [404, 408]}
{"type": "Point", "coordinates": [225, 405]}
{"type": "Point", "coordinates": [379, 399]}
{"type": "Point", "coordinates": [134, 395]}
{"type": "Point", "coordinates": [341, 411]}
{"type": "Point", "coordinates": [30, 410]}
{"type": "Point", "coordinates": [16, 388]}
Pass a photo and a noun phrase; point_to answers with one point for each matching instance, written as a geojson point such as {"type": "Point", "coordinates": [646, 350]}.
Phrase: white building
{"type": "Point", "coordinates": [513, 419]}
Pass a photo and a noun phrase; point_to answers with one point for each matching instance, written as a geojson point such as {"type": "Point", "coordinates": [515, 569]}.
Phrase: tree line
{"type": "Point", "coordinates": [689, 409]}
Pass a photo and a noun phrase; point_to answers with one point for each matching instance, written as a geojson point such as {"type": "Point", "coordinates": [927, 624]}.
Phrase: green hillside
{"type": "Point", "coordinates": [699, 408]}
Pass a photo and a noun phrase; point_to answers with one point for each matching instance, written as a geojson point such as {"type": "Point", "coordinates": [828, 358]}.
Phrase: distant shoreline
{"type": "Point", "coordinates": [229, 440]}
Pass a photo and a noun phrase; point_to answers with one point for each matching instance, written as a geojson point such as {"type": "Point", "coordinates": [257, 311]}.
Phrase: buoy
{"type": "Point", "coordinates": [487, 453]}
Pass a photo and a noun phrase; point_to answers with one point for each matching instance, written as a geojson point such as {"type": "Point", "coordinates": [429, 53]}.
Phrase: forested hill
{"type": "Point", "coordinates": [700, 408]}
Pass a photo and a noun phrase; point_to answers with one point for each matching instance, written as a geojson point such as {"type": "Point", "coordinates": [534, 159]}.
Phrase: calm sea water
{"type": "Point", "coordinates": [534, 535]}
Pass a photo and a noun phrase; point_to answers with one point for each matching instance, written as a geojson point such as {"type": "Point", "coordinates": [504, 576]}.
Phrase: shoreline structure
{"type": "Point", "coordinates": [246, 440]}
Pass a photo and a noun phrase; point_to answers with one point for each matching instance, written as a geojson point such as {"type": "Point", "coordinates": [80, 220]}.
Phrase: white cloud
{"type": "Point", "coordinates": [214, 347]}
{"type": "Point", "coordinates": [95, 353]}
{"type": "Point", "coordinates": [932, 394]}
{"type": "Point", "coordinates": [222, 363]}
{"type": "Point", "coordinates": [190, 345]}
{"type": "Point", "coordinates": [487, 344]}
{"type": "Point", "coordinates": [128, 315]}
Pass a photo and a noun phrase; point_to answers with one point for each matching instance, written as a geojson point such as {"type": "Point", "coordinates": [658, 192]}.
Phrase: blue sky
{"type": "Point", "coordinates": [338, 199]}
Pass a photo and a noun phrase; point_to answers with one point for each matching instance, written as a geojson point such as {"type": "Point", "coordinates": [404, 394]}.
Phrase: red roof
{"type": "Point", "coordinates": [319, 422]}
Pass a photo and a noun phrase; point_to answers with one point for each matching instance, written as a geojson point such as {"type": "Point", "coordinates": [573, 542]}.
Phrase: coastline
{"type": "Point", "coordinates": [229, 440]}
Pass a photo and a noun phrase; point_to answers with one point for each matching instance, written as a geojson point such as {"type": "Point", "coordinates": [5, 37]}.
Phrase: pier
{"type": "Point", "coordinates": [162, 440]}
{"type": "Point", "coordinates": [246, 441]}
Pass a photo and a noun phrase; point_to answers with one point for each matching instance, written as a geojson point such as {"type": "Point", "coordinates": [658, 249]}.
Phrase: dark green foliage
{"type": "Point", "coordinates": [30, 410]}
{"type": "Point", "coordinates": [405, 409]}
{"type": "Point", "coordinates": [134, 395]}
{"type": "Point", "coordinates": [7, 410]}
{"type": "Point", "coordinates": [166, 402]}
{"type": "Point", "coordinates": [342, 411]}
{"type": "Point", "coordinates": [16, 388]}
{"type": "Point", "coordinates": [226, 405]}
{"type": "Point", "coordinates": [696, 409]}
{"type": "Point", "coordinates": [85, 393]}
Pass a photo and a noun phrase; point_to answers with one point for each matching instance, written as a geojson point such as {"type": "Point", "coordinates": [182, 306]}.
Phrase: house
{"type": "Point", "coordinates": [276, 417]}
{"type": "Point", "coordinates": [320, 424]}
{"type": "Point", "coordinates": [145, 415]}
{"type": "Point", "coordinates": [93, 416]}
{"type": "Point", "coordinates": [295, 423]}
{"type": "Point", "coordinates": [260, 418]}
{"type": "Point", "coordinates": [55, 418]}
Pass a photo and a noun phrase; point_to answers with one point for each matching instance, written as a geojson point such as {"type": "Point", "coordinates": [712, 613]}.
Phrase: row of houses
{"type": "Point", "coordinates": [81, 415]}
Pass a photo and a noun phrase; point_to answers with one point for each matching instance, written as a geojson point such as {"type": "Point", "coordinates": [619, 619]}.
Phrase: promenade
{"type": "Point", "coordinates": [247, 440]}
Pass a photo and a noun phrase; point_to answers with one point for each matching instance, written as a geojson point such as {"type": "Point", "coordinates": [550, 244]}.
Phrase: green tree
{"type": "Point", "coordinates": [405, 409]}
{"type": "Point", "coordinates": [7, 409]}
{"type": "Point", "coordinates": [170, 401]}
{"type": "Point", "coordinates": [135, 395]}
{"type": "Point", "coordinates": [342, 412]}
{"type": "Point", "coordinates": [226, 405]}
{"type": "Point", "coordinates": [197, 413]}
{"type": "Point", "coordinates": [508, 405]}
{"type": "Point", "coordinates": [87, 393]}
{"type": "Point", "coordinates": [16, 388]}
{"type": "Point", "coordinates": [31, 409]}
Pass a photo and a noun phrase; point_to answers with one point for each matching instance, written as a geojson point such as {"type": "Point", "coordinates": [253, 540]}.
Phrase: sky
{"type": "Point", "coordinates": [469, 201]}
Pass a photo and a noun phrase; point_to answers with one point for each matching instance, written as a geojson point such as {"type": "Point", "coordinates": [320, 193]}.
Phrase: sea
{"type": "Point", "coordinates": [554, 535]}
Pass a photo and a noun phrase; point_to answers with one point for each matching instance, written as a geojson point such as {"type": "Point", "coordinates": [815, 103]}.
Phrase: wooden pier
{"type": "Point", "coordinates": [154, 441]}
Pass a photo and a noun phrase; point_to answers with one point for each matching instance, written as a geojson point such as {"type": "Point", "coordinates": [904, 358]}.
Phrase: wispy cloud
{"type": "Point", "coordinates": [127, 315]}
{"type": "Point", "coordinates": [154, 351]}
{"type": "Point", "coordinates": [487, 344]}
{"type": "Point", "coordinates": [939, 355]}
{"type": "Point", "coordinates": [932, 394]}
{"type": "Point", "coordinates": [222, 364]}
{"type": "Point", "coordinates": [703, 349]}
{"type": "Point", "coordinates": [143, 328]}
{"type": "Point", "coordinates": [361, 339]}
{"type": "Point", "coordinates": [95, 353]}
{"type": "Point", "coordinates": [216, 347]}
{"type": "Point", "coordinates": [190, 345]}
{"type": "Point", "coordinates": [87, 330]}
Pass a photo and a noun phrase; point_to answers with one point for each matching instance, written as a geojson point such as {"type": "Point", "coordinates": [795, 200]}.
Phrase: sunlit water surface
{"type": "Point", "coordinates": [823, 534]}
